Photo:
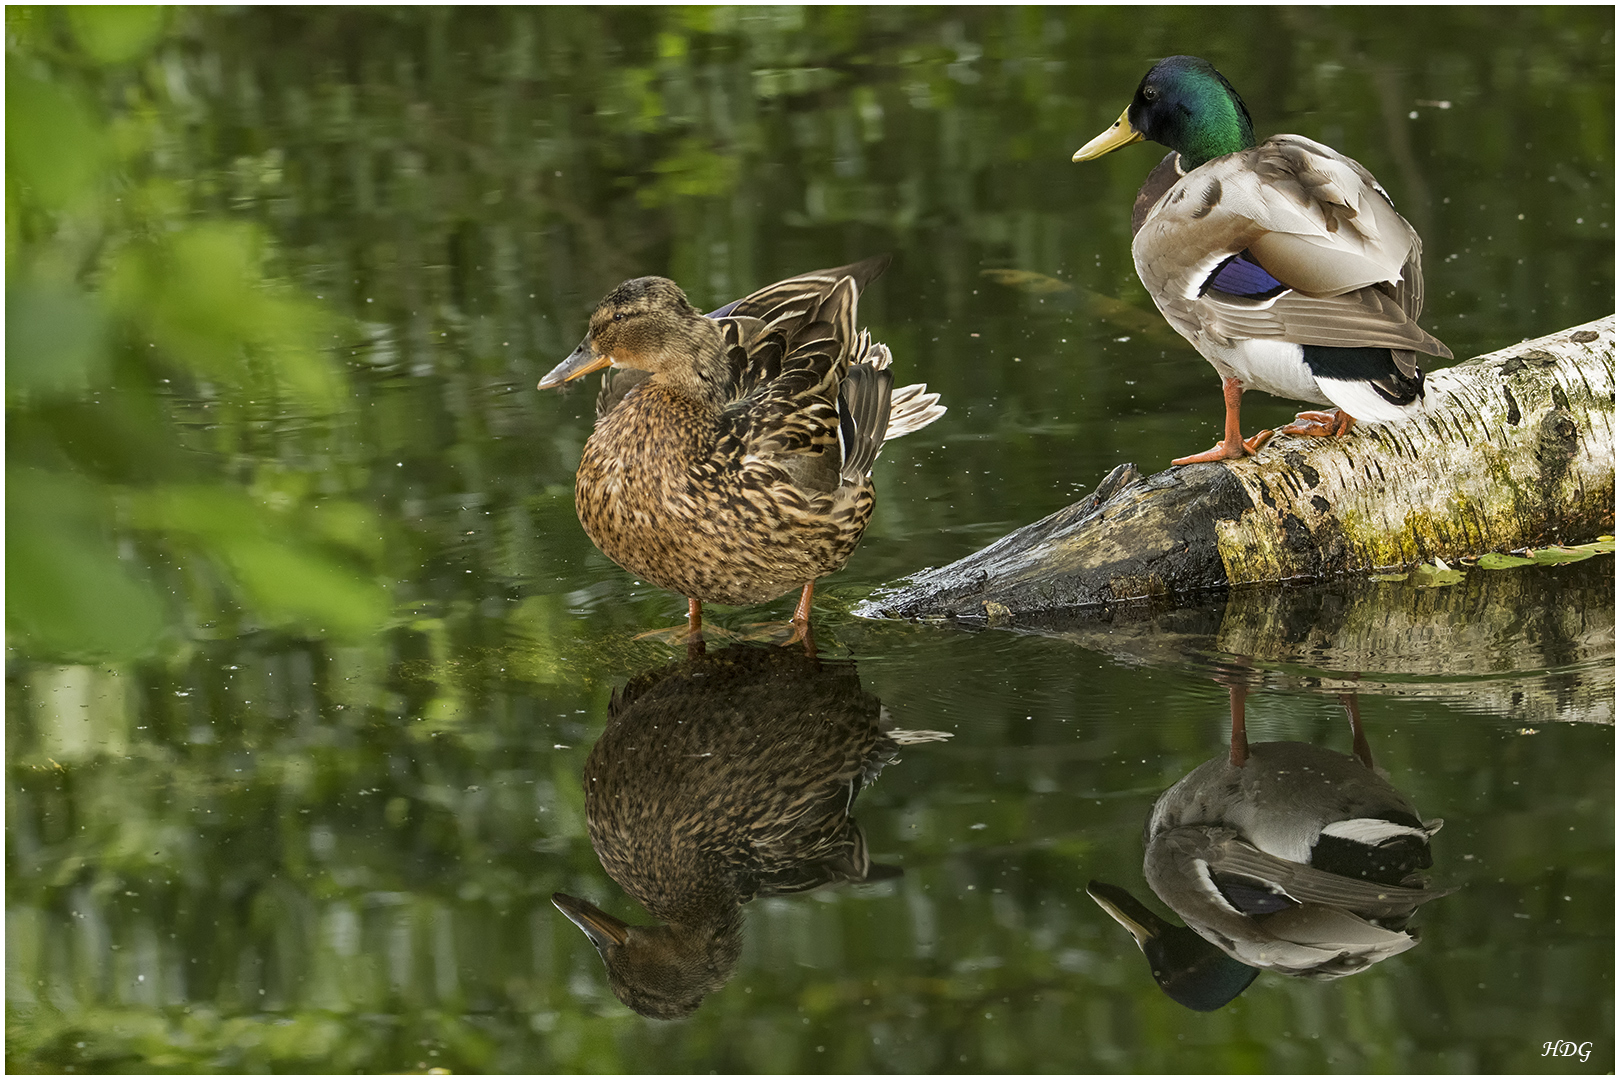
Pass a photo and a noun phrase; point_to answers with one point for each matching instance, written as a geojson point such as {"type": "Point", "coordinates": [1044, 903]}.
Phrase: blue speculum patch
{"type": "Point", "coordinates": [1242, 276]}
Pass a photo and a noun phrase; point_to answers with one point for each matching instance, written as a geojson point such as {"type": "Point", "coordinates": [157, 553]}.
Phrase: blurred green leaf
{"type": "Point", "coordinates": [286, 583]}
{"type": "Point", "coordinates": [199, 296]}
{"type": "Point", "coordinates": [284, 578]}
{"type": "Point", "coordinates": [348, 524]}
{"type": "Point", "coordinates": [55, 341]}
{"type": "Point", "coordinates": [54, 145]}
{"type": "Point", "coordinates": [116, 34]}
{"type": "Point", "coordinates": [68, 594]}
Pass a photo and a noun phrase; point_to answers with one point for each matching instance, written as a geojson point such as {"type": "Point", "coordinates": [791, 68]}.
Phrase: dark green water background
{"type": "Point", "coordinates": [313, 819]}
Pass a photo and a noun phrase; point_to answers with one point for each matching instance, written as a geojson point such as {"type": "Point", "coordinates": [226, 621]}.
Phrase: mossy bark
{"type": "Point", "coordinates": [1513, 449]}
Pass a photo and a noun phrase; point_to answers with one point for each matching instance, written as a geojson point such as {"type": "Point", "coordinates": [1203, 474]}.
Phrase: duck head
{"type": "Point", "coordinates": [1191, 971]}
{"type": "Point", "coordinates": [647, 324]}
{"type": "Point", "coordinates": [662, 972]}
{"type": "Point", "coordinates": [1185, 104]}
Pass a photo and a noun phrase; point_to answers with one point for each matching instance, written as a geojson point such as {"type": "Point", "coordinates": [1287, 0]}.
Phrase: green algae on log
{"type": "Point", "coordinates": [1515, 449]}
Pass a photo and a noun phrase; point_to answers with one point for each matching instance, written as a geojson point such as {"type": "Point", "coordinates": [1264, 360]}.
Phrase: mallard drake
{"type": "Point", "coordinates": [1284, 856]}
{"type": "Point", "coordinates": [719, 779]}
{"type": "Point", "coordinates": [732, 456]}
{"type": "Point", "coordinates": [1284, 262]}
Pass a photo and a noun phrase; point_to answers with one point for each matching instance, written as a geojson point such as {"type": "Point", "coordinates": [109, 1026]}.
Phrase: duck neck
{"type": "Point", "coordinates": [695, 365]}
{"type": "Point", "coordinates": [1219, 126]}
{"type": "Point", "coordinates": [712, 927]}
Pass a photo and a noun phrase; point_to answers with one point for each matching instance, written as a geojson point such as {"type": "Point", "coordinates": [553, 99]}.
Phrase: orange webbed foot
{"type": "Point", "coordinates": [1319, 425]}
{"type": "Point", "coordinates": [1228, 450]}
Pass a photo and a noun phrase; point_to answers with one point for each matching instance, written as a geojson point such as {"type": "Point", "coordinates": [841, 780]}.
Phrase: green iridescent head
{"type": "Point", "coordinates": [1185, 104]}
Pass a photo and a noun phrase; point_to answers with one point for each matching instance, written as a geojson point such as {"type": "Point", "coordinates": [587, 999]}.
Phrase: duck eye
{"type": "Point", "coordinates": [618, 316]}
{"type": "Point", "coordinates": [1151, 93]}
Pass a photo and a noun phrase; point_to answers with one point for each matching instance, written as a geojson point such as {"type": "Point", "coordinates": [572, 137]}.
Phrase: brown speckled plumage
{"type": "Point", "coordinates": [718, 780]}
{"type": "Point", "coordinates": [732, 452]}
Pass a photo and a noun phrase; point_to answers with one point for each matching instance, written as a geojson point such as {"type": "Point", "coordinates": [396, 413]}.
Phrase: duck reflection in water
{"type": "Point", "coordinates": [719, 779]}
{"type": "Point", "coordinates": [1280, 856]}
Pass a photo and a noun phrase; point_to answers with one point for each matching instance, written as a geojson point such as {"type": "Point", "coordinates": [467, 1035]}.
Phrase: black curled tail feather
{"type": "Point", "coordinates": [1400, 388]}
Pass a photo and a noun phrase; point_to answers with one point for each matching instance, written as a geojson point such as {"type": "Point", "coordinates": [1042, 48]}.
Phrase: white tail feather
{"type": "Point", "coordinates": [915, 737]}
{"type": "Point", "coordinates": [911, 408]}
{"type": "Point", "coordinates": [1368, 406]}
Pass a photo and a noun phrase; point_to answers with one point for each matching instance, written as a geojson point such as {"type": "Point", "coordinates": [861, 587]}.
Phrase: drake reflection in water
{"type": "Point", "coordinates": [1280, 856]}
{"type": "Point", "coordinates": [717, 780]}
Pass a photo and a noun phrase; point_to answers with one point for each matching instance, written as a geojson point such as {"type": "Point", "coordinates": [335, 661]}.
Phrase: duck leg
{"type": "Point", "coordinates": [1320, 425]}
{"type": "Point", "coordinates": [801, 614]}
{"type": "Point", "coordinates": [1358, 737]}
{"type": "Point", "coordinates": [690, 634]}
{"type": "Point", "coordinates": [1237, 693]}
{"type": "Point", "coordinates": [694, 628]}
{"type": "Point", "coordinates": [1234, 445]}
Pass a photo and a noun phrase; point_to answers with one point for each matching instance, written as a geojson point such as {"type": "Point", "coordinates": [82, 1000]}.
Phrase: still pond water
{"type": "Point", "coordinates": [271, 849]}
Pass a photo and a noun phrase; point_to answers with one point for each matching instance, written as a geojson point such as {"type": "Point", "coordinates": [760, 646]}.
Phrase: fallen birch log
{"type": "Point", "coordinates": [1514, 449]}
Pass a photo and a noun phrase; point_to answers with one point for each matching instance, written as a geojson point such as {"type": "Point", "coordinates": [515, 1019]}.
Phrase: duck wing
{"type": "Point", "coordinates": [1276, 914]}
{"type": "Point", "coordinates": [797, 410]}
{"type": "Point", "coordinates": [1289, 241]}
{"type": "Point", "coordinates": [1229, 857]}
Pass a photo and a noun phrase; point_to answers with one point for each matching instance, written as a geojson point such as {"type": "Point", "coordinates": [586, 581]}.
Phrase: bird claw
{"type": "Point", "coordinates": [1319, 425]}
{"type": "Point", "coordinates": [1228, 451]}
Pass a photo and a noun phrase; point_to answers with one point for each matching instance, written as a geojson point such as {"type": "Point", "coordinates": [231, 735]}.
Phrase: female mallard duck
{"type": "Point", "coordinates": [1284, 263]}
{"type": "Point", "coordinates": [1283, 856]}
{"type": "Point", "coordinates": [731, 462]}
{"type": "Point", "coordinates": [717, 780]}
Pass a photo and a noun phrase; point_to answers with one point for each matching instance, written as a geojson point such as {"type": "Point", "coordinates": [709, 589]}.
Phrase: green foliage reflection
{"type": "Point", "coordinates": [115, 298]}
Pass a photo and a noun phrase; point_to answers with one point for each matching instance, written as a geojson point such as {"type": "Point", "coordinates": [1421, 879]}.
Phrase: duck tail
{"type": "Point", "coordinates": [871, 411]}
{"type": "Point", "coordinates": [863, 417]}
{"type": "Point", "coordinates": [911, 408]}
{"type": "Point", "coordinates": [916, 736]}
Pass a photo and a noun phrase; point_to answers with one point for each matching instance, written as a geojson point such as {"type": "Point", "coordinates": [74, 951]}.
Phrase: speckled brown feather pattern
{"type": "Point", "coordinates": [719, 779]}
{"type": "Point", "coordinates": [741, 494]}
{"type": "Point", "coordinates": [731, 776]}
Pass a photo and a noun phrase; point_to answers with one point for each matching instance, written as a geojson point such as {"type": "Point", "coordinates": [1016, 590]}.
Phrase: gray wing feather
{"type": "Point", "coordinates": [1313, 219]}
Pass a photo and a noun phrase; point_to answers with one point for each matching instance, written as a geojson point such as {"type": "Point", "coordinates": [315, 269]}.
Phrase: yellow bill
{"type": "Point", "coordinates": [1119, 134]}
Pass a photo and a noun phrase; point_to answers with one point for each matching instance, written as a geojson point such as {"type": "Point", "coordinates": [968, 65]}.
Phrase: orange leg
{"type": "Point", "coordinates": [1357, 735]}
{"type": "Point", "coordinates": [1320, 425]}
{"type": "Point", "coordinates": [694, 628]}
{"type": "Point", "coordinates": [1234, 445]}
{"type": "Point", "coordinates": [801, 613]}
{"type": "Point", "coordinates": [1240, 732]}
